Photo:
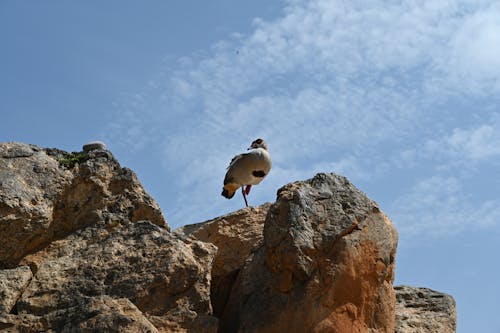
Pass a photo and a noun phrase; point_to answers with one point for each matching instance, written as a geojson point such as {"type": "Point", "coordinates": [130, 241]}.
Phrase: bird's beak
{"type": "Point", "coordinates": [249, 148]}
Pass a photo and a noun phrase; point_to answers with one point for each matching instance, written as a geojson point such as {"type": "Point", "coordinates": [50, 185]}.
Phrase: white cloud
{"type": "Point", "coordinates": [362, 88]}
{"type": "Point", "coordinates": [478, 143]}
{"type": "Point", "coordinates": [475, 50]}
{"type": "Point", "coordinates": [473, 144]}
{"type": "Point", "coordinates": [440, 205]}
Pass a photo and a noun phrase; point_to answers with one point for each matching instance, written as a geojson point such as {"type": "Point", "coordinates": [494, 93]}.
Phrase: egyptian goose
{"type": "Point", "coordinates": [247, 169]}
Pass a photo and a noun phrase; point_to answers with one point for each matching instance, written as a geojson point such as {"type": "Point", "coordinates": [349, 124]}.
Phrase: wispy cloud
{"type": "Point", "coordinates": [472, 143]}
{"type": "Point", "coordinates": [474, 58]}
{"type": "Point", "coordinates": [369, 89]}
{"type": "Point", "coordinates": [438, 205]}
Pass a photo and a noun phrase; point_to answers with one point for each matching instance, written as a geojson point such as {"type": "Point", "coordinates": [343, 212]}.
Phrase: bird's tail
{"type": "Point", "coordinates": [228, 190]}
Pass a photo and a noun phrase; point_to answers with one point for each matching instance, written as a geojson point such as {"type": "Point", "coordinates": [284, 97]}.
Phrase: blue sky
{"type": "Point", "coordinates": [402, 97]}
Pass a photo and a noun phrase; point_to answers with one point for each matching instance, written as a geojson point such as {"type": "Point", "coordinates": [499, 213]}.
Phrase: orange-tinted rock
{"type": "Point", "coordinates": [327, 265]}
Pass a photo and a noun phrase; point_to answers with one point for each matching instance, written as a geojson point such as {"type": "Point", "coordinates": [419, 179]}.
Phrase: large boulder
{"type": "Point", "coordinates": [92, 249]}
{"type": "Point", "coordinates": [142, 269]}
{"type": "Point", "coordinates": [422, 310]}
{"type": "Point", "coordinates": [326, 265]}
{"type": "Point", "coordinates": [46, 194]}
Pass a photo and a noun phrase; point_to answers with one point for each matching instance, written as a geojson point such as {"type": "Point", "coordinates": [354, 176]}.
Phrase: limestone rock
{"type": "Point", "coordinates": [12, 284]}
{"type": "Point", "coordinates": [326, 265]}
{"type": "Point", "coordinates": [102, 314]}
{"type": "Point", "coordinates": [163, 276]}
{"type": "Point", "coordinates": [95, 314]}
{"type": "Point", "coordinates": [46, 194]}
{"type": "Point", "coordinates": [422, 310]}
{"type": "Point", "coordinates": [236, 236]}
{"type": "Point", "coordinates": [93, 146]}
{"type": "Point", "coordinates": [12, 323]}
{"type": "Point", "coordinates": [30, 182]}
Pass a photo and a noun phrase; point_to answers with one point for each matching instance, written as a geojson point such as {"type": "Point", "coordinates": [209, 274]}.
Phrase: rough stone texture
{"type": "Point", "coordinates": [236, 236]}
{"type": "Point", "coordinates": [30, 182]}
{"type": "Point", "coordinates": [102, 314]}
{"type": "Point", "coordinates": [327, 265]}
{"type": "Point", "coordinates": [23, 323]}
{"type": "Point", "coordinates": [166, 278]}
{"type": "Point", "coordinates": [45, 194]}
{"type": "Point", "coordinates": [12, 284]}
{"type": "Point", "coordinates": [96, 314]}
{"type": "Point", "coordinates": [422, 310]}
{"type": "Point", "coordinates": [94, 145]}
{"type": "Point", "coordinates": [105, 314]}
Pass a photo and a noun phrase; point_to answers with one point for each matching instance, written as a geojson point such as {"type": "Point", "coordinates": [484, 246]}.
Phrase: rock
{"type": "Point", "coordinates": [46, 194]}
{"type": "Point", "coordinates": [326, 265]}
{"type": "Point", "coordinates": [164, 277]}
{"type": "Point", "coordinates": [236, 236]}
{"type": "Point", "coordinates": [422, 310]}
{"type": "Point", "coordinates": [11, 323]}
{"type": "Point", "coordinates": [95, 314]}
{"type": "Point", "coordinates": [30, 183]}
{"type": "Point", "coordinates": [14, 150]}
{"type": "Point", "coordinates": [12, 284]}
{"type": "Point", "coordinates": [102, 314]}
{"type": "Point", "coordinates": [86, 249]}
{"type": "Point", "coordinates": [94, 145]}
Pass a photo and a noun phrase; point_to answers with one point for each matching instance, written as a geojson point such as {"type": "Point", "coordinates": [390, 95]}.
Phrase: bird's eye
{"type": "Point", "coordinates": [258, 141]}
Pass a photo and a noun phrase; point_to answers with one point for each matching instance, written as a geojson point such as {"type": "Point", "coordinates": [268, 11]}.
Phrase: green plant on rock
{"type": "Point", "coordinates": [69, 160]}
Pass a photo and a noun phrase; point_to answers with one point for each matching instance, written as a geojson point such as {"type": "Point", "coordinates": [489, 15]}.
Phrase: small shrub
{"type": "Point", "coordinates": [69, 160]}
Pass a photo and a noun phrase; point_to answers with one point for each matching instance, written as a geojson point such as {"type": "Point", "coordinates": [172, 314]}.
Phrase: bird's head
{"type": "Point", "coordinates": [259, 143]}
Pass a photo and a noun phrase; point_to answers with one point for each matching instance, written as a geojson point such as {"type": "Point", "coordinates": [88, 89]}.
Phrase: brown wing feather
{"type": "Point", "coordinates": [232, 164]}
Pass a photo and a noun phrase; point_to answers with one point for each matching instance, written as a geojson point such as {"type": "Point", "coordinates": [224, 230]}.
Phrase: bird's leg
{"type": "Point", "coordinates": [244, 195]}
{"type": "Point", "coordinates": [247, 189]}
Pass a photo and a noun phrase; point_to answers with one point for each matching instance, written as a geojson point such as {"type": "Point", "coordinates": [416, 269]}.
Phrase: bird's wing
{"type": "Point", "coordinates": [243, 165]}
{"type": "Point", "coordinates": [235, 160]}
{"type": "Point", "coordinates": [239, 167]}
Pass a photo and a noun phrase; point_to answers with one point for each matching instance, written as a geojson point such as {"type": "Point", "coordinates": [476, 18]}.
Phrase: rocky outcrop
{"type": "Point", "coordinates": [85, 248]}
{"type": "Point", "coordinates": [327, 265]}
{"type": "Point", "coordinates": [167, 279]}
{"type": "Point", "coordinates": [422, 310]}
{"type": "Point", "coordinates": [93, 247]}
{"type": "Point", "coordinates": [46, 194]}
{"type": "Point", "coordinates": [236, 236]}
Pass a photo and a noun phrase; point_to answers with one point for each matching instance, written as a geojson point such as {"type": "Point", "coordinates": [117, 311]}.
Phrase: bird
{"type": "Point", "coordinates": [247, 169]}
